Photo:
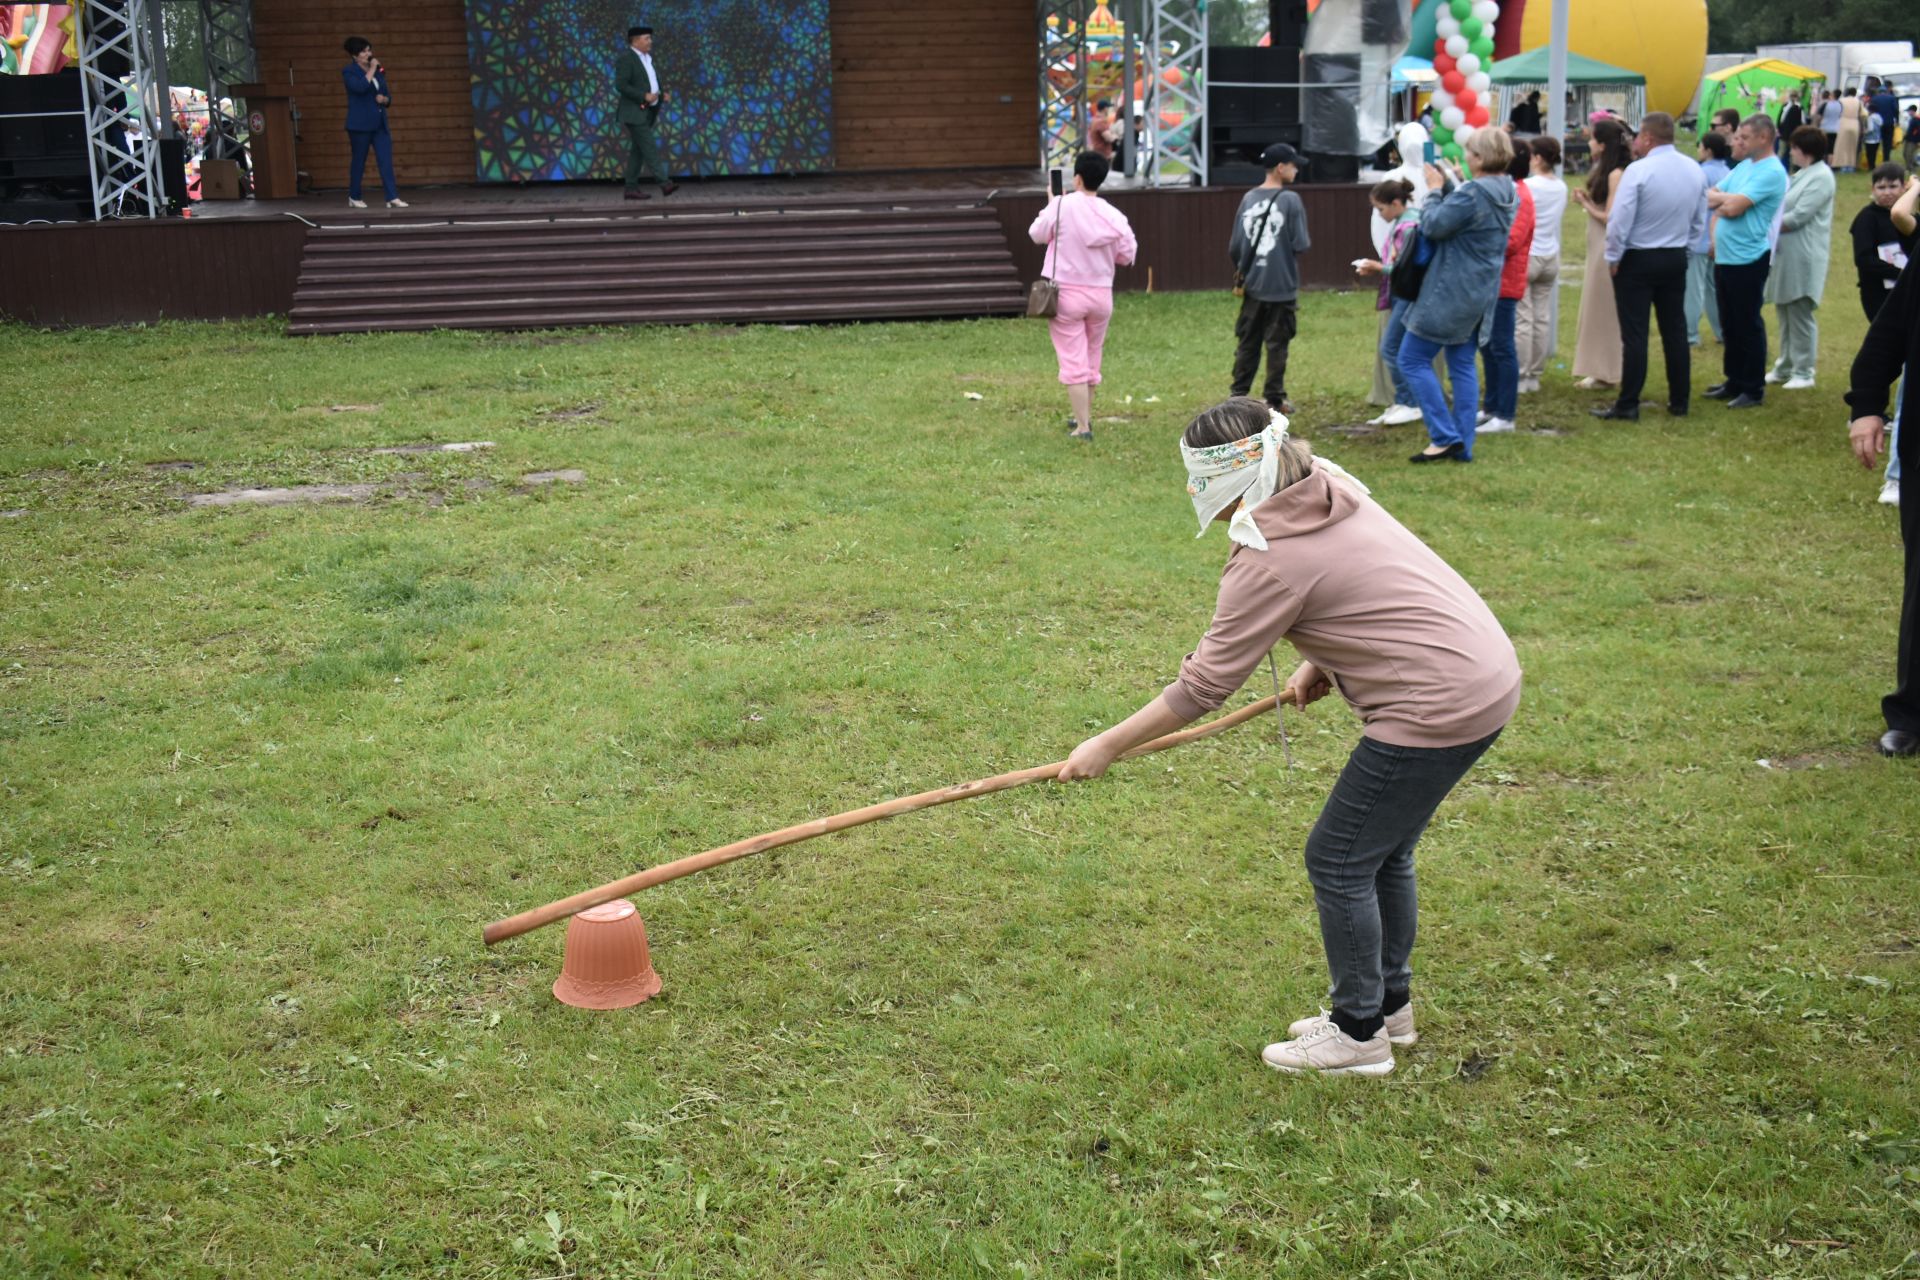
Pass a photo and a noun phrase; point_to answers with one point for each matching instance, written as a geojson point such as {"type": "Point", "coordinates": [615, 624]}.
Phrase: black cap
{"type": "Point", "coordinates": [634, 33]}
{"type": "Point", "coordinates": [1278, 154]}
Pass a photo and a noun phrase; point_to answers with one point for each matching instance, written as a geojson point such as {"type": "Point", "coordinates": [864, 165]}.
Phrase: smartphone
{"type": "Point", "coordinates": [1058, 181]}
{"type": "Point", "coordinates": [1430, 152]}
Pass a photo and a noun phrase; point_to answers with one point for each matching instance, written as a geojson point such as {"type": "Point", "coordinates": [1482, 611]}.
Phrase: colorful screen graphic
{"type": "Point", "coordinates": [748, 84]}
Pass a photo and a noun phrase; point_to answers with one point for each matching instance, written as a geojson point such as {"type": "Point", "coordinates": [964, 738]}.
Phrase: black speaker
{"type": "Point", "coordinates": [173, 172]}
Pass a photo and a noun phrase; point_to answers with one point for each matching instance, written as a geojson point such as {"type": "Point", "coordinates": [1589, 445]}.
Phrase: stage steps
{"type": "Point", "coordinates": [686, 267]}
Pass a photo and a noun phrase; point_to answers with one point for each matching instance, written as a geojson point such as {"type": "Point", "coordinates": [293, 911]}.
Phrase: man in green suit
{"type": "Point", "coordinates": [638, 86]}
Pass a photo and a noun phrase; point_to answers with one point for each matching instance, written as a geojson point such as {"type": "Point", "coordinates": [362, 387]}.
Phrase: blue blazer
{"type": "Point", "coordinates": [364, 115]}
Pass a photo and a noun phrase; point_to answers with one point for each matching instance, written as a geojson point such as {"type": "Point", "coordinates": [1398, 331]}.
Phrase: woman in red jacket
{"type": "Point", "coordinates": [1502, 356]}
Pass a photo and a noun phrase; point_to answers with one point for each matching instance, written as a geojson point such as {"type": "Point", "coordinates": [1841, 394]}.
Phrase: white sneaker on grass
{"type": "Point", "coordinates": [1775, 377]}
{"type": "Point", "coordinates": [1890, 494]}
{"type": "Point", "coordinates": [1329, 1051]}
{"type": "Point", "coordinates": [1494, 426]}
{"type": "Point", "coordinates": [1798, 384]}
{"type": "Point", "coordinates": [1399, 1025]}
{"type": "Point", "coordinates": [1399, 415]}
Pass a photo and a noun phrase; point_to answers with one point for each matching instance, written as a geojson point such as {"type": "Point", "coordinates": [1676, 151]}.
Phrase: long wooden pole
{"type": "Point", "coordinates": [527, 921]}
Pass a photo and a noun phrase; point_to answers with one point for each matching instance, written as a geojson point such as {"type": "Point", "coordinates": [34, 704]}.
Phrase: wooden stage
{"type": "Point", "coordinates": [243, 258]}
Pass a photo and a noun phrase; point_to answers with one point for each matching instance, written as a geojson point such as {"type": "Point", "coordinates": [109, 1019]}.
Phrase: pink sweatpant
{"type": "Point", "coordinates": [1080, 331]}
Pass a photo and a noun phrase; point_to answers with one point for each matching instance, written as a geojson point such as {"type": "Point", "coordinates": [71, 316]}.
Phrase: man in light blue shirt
{"type": "Point", "coordinates": [1743, 206]}
{"type": "Point", "coordinates": [1659, 210]}
{"type": "Point", "coordinates": [1714, 153]}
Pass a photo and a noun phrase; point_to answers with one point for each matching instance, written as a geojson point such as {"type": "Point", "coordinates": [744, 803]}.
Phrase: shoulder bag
{"type": "Point", "coordinates": [1043, 296]}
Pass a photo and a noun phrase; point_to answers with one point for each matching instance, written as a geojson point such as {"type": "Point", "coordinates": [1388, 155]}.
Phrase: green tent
{"type": "Point", "coordinates": [1591, 82]}
{"type": "Point", "coordinates": [1531, 68]}
{"type": "Point", "coordinates": [1760, 85]}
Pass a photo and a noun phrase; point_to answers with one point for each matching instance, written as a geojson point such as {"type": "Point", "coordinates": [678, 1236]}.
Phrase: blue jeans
{"type": "Point", "coordinates": [1360, 863]}
{"type": "Point", "coordinates": [382, 143]}
{"type": "Point", "coordinates": [1444, 426]}
{"type": "Point", "coordinates": [1503, 362]}
{"type": "Point", "coordinates": [1701, 299]}
{"type": "Point", "coordinates": [1390, 351]}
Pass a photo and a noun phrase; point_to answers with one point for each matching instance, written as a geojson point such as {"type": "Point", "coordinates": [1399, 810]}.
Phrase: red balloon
{"type": "Point", "coordinates": [1465, 99]}
{"type": "Point", "coordinates": [1443, 61]}
{"type": "Point", "coordinates": [1478, 117]}
{"type": "Point", "coordinates": [1454, 82]}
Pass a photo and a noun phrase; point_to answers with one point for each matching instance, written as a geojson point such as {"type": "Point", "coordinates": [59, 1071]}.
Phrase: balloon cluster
{"type": "Point", "coordinates": [1462, 54]}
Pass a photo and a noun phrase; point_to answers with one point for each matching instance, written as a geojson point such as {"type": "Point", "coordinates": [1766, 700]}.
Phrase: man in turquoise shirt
{"type": "Point", "coordinates": [1743, 208]}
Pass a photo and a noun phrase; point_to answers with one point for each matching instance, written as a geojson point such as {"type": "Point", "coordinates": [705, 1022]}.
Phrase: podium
{"type": "Point", "coordinates": [270, 139]}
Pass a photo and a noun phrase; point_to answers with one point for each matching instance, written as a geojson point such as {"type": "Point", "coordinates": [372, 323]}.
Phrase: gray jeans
{"type": "Point", "coordinates": [1360, 862]}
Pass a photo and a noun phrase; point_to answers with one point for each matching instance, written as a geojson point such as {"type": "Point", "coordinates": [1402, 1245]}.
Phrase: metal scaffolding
{"type": "Point", "coordinates": [1063, 81]}
{"type": "Point", "coordinates": [1162, 36]}
{"type": "Point", "coordinates": [1177, 43]}
{"type": "Point", "coordinates": [125, 107]}
{"type": "Point", "coordinates": [226, 36]}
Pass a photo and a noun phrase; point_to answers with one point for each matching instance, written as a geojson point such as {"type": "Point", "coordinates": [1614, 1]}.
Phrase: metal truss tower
{"type": "Point", "coordinates": [1063, 81]}
{"type": "Point", "coordinates": [124, 120]}
{"type": "Point", "coordinates": [1163, 36]}
{"type": "Point", "coordinates": [226, 35]}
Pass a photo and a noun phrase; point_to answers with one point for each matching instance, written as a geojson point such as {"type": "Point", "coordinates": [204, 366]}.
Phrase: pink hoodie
{"type": "Point", "coordinates": [1412, 647]}
{"type": "Point", "coordinates": [1093, 237]}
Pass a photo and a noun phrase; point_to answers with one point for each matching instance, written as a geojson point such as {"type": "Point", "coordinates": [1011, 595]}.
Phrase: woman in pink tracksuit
{"type": "Point", "coordinates": [1085, 236]}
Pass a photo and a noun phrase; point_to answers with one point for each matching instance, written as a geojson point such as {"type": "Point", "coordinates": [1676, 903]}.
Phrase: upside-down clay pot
{"type": "Point", "coordinates": [606, 964]}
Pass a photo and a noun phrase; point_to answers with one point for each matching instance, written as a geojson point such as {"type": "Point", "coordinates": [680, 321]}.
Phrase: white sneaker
{"type": "Point", "coordinates": [1494, 426]}
{"type": "Point", "coordinates": [1330, 1051]}
{"type": "Point", "coordinates": [1798, 384]}
{"type": "Point", "coordinates": [1379, 421]}
{"type": "Point", "coordinates": [1399, 415]}
{"type": "Point", "coordinates": [1482, 418]}
{"type": "Point", "coordinates": [355, 204]}
{"type": "Point", "coordinates": [1399, 1025]}
{"type": "Point", "coordinates": [1528, 387]}
{"type": "Point", "coordinates": [1775, 377]}
{"type": "Point", "coordinates": [1890, 494]}
{"type": "Point", "coordinates": [398, 204]}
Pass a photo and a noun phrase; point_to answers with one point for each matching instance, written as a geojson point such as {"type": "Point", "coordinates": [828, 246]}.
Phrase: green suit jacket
{"type": "Point", "coordinates": [630, 82]}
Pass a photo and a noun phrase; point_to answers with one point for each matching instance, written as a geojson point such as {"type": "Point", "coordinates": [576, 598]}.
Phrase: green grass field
{"type": "Point", "coordinates": [265, 772]}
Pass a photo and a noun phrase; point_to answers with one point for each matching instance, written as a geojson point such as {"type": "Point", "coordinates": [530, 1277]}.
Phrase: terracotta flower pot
{"type": "Point", "coordinates": [606, 965]}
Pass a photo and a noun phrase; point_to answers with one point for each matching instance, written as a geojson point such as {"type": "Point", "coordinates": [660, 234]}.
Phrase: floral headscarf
{"type": "Point", "coordinates": [1248, 470]}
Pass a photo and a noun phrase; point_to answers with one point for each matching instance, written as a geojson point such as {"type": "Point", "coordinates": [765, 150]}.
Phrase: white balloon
{"type": "Point", "coordinates": [1479, 82]}
{"type": "Point", "coordinates": [1457, 47]}
{"type": "Point", "coordinates": [1441, 99]}
{"type": "Point", "coordinates": [1447, 27]}
{"type": "Point", "coordinates": [1453, 118]}
{"type": "Point", "coordinates": [1464, 134]}
{"type": "Point", "coordinates": [1486, 10]}
{"type": "Point", "coordinates": [1467, 62]}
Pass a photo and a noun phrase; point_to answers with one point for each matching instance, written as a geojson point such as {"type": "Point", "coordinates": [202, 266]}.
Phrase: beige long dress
{"type": "Point", "coordinates": [1846, 148]}
{"type": "Point", "coordinates": [1596, 351]}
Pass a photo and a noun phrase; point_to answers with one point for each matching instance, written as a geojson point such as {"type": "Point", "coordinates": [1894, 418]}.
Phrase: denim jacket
{"type": "Point", "coordinates": [1468, 231]}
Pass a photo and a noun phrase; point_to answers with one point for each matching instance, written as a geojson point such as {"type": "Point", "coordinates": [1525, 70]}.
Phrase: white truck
{"type": "Point", "coordinates": [1841, 61]}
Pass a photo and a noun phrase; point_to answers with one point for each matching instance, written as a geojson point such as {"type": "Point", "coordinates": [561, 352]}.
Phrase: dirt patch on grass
{"type": "Point", "coordinates": [173, 464]}
{"type": "Point", "coordinates": [353, 408]}
{"type": "Point", "coordinates": [573, 413]}
{"type": "Point", "coordinates": [460, 446]}
{"type": "Point", "coordinates": [1827, 758]}
{"type": "Point", "coordinates": [306, 493]}
{"type": "Point", "coordinates": [568, 475]}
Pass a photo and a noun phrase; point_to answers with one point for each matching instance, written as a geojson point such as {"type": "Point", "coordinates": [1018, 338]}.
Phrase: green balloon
{"type": "Point", "coordinates": [1471, 28]}
{"type": "Point", "coordinates": [1462, 9]}
{"type": "Point", "coordinates": [1453, 151]}
{"type": "Point", "coordinates": [1442, 135]}
{"type": "Point", "coordinates": [1484, 48]}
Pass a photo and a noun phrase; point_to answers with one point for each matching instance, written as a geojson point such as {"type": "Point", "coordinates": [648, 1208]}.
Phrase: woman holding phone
{"type": "Point", "coordinates": [1085, 238]}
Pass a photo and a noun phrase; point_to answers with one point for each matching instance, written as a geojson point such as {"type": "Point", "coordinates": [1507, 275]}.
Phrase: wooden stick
{"type": "Point", "coordinates": [527, 921]}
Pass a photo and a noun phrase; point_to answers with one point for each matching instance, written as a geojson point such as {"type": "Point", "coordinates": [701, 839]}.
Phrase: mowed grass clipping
{"type": "Point", "coordinates": [265, 773]}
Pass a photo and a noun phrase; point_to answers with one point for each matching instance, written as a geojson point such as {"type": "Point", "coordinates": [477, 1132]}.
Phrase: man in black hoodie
{"type": "Point", "coordinates": [1893, 344]}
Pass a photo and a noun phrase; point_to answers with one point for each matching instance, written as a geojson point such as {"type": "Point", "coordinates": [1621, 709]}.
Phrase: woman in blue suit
{"type": "Point", "coordinates": [367, 99]}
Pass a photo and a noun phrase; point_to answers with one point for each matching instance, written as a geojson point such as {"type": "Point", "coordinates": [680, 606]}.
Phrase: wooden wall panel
{"type": "Point", "coordinates": [1183, 233]}
{"type": "Point", "coordinates": [139, 270]}
{"type": "Point", "coordinates": [920, 89]}
{"type": "Point", "coordinates": [423, 44]}
{"type": "Point", "coordinates": [905, 96]}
